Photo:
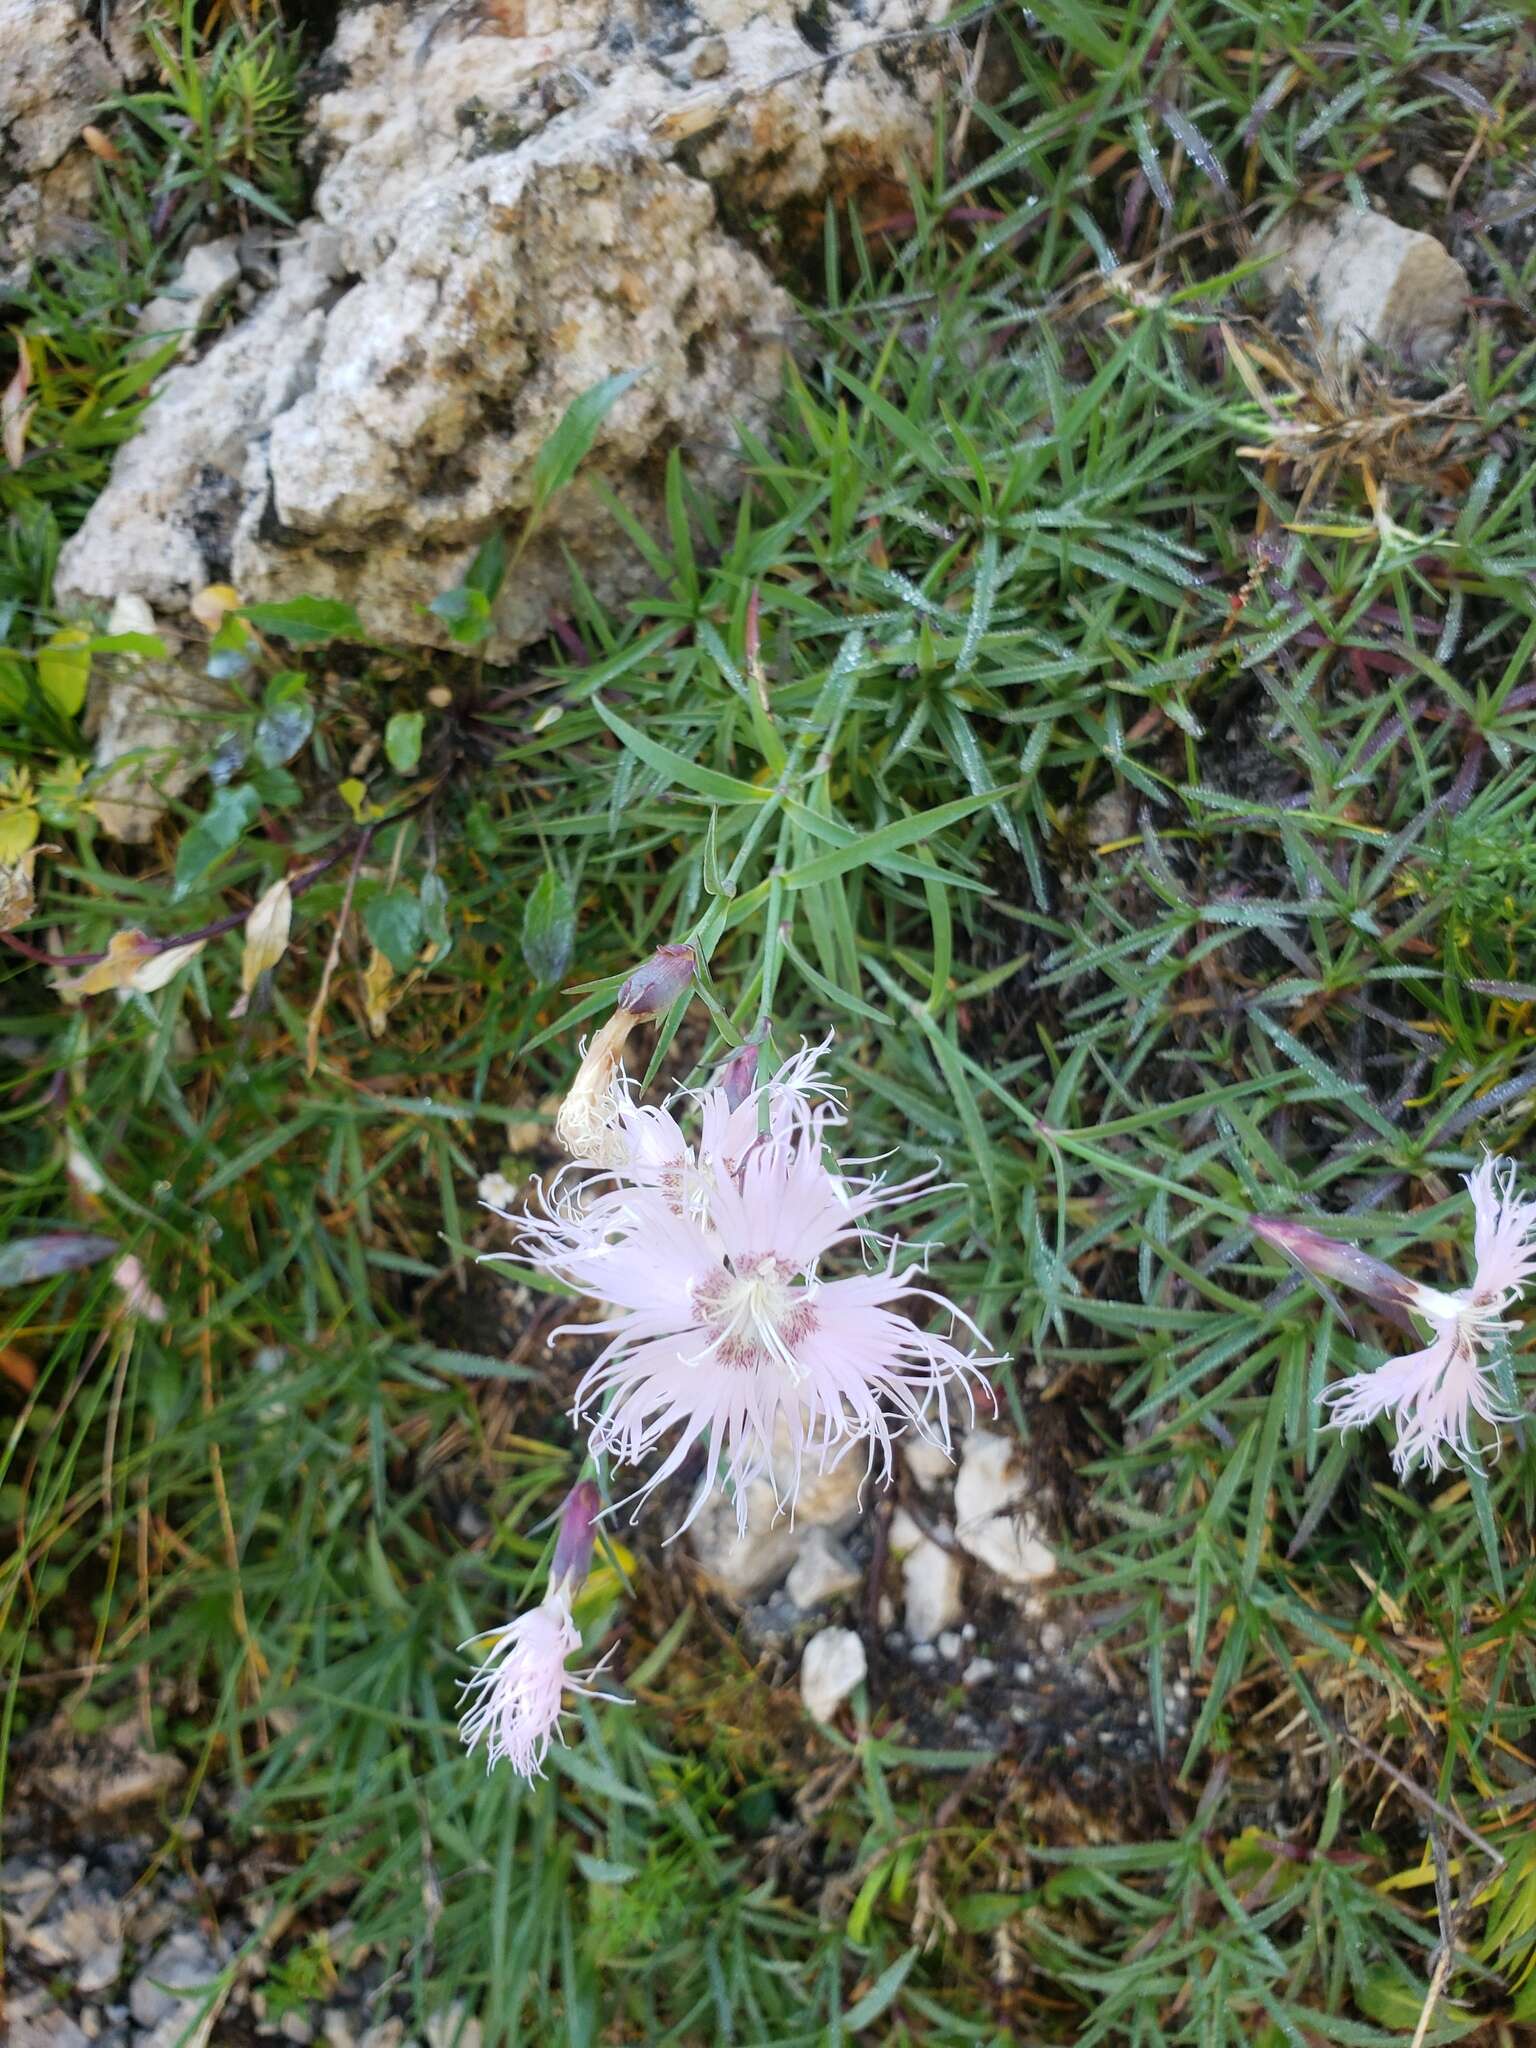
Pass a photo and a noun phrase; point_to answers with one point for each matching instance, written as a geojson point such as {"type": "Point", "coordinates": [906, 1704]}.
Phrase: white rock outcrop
{"type": "Point", "coordinates": [511, 206]}
{"type": "Point", "coordinates": [54, 74]}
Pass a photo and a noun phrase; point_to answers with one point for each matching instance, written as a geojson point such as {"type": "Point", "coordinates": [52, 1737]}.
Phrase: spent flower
{"type": "Point", "coordinates": [1433, 1393]}
{"type": "Point", "coordinates": [585, 1124]}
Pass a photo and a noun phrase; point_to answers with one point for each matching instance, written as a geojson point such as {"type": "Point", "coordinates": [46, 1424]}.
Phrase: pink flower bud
{"type": "Point", "coordinates": [1327, 1258]}
{"type": "Point", "coordinates": [658, 984]}
{"type": "Point", "coordinates": [738, 1076]}
{"type": "Point", "coordinates": [578, 1534]}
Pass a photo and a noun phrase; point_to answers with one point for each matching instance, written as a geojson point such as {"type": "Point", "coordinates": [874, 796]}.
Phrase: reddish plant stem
{"type": "Point", "coordinates": [233, 919]}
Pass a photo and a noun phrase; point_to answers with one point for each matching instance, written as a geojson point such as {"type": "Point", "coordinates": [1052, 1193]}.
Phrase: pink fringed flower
{"type": "Point", "coordinates": [1432, 1394]}
{"type": "Point", "coordinates": [724, 1331]}
{"type": "Point", "coordinates": [518, 1694]}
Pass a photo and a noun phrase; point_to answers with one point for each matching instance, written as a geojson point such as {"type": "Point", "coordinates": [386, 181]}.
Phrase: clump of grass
{"type": "Point", "coordinates": [1137, 830]}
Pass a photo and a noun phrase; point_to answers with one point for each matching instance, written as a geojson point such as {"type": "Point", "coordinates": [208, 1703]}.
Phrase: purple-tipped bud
{"type": "Point", "coordinates": [578, 1533]}
{"type": "Point", "coordinates": [658, 984]}
{"type": "Point", "coordinates": [738, 1076]}
{"type": "Point", "coordinates": [1345, 1265]}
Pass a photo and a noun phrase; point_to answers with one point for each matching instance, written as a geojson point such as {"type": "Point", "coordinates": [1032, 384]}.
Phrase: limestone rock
{"type": "Point", "coordinates": [1367, 282]}
{"type": "Point", "coordinates": [991, 1519]}
{"type": "Point", "coordinates": [508, 210]}
{"type": "Point", "coordinates": [83, 1936]}
{"type": "Point", "coordinates": [54, 73]}
{"type": "Point", "coordinates": [832, 1664]}
{"type": "Point", "coordinates": [163, 527]}
{"type": "Point", "coordinates": [209, 274]}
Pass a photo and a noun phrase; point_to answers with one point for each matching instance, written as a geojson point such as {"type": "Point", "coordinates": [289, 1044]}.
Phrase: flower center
{"type": "Point", "coordinates": [1477, 1322]}
{"type": "Point", "coordinates": [755, 1315]}
{"type": "Point", "coordinates": [687, 1189]}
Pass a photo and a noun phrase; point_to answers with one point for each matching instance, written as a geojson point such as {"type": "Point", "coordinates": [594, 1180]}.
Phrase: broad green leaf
{"type": "Point", "coordinates": [306, 621]}
{"type": "Point", "coordinates": [394, 923]}
{"type": "Point", "coordinates": [145, 646]}
{"type": "Point", "coordinates": [232, 649]}
{"type": "Point", "coordinates": [465, 611]}
{"type": "Point", "coordinates": [435, 928]}
{"type": "Point", "coordinates": [216, 833]}
{"type": "Point", "coordinates": [64, 669]}
{"type": "Point", "coordinates": [286, 721]}
{"type": "Point", "coordinates": [402, 740]}
{"type": "Point", "coordinates": [549, 929]}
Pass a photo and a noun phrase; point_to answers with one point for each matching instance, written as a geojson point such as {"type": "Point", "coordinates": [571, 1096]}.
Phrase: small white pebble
{"type": "Point", "coordinates": [977, 1670]}
{"type": "Point", "coordinates": [831, 1665]}
{"type": "Point", "coordinates": [949, 1645]}
{"type": "Point", "coordinates": [929, 1463]}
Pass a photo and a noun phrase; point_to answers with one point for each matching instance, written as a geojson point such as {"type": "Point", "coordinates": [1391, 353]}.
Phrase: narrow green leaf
{"type": "Point", "coordinates": [691, 774]}
{"type": "Point", "coordinates": [882, 1994]}
{"type": "Point", "coordinates": [561, 456]}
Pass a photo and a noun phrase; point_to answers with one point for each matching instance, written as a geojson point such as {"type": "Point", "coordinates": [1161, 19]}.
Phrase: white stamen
{"type": "Point", "coordinates": [748, 1313]}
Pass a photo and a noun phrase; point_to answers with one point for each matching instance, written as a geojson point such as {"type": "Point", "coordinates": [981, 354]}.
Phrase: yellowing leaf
{"type": "Point", "coordinates": [353, 794]}
{"type": "Point", "coordinates": [266, 933]}
{"type": "Point", "coordinates": [132, 961]}
{"type": "Point", "coordinates": [18, 829]}
{"type": "Point", "coordinates": [16, 885]}
{"type": "Point", "coordinates": [376, 997]}
{"type": "Point", "coordinates": [211, 603]}
{"type": "Point", "coordinates": [16, 408]}
{"type": "Point", "coordinates": [164, 967]}
{"type": "Point", "coordinates": [64, 668]}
